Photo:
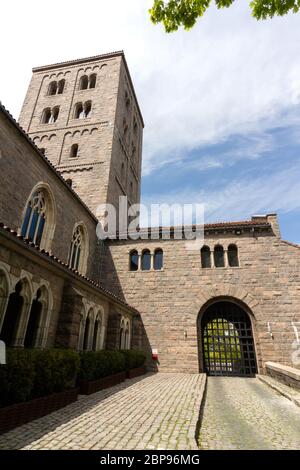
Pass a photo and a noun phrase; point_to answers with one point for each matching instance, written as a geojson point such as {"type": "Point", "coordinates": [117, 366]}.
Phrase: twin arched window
{"type": "Point", "coordinates": [56, 88]}
{"type": "Point", "coordinates": [87, 82]}
{"type": "Point", "coordinates": [50, 115]}
{"type": "Point", "coordinates": [219, 256]}
{"type": "Point", "coordinates": [83, 110]}
{"type": "Point", "coordinates": [79, 249]}
{"type": "Point", "coordinates": [146, 260]}
{"type": "Point", "coordinates": [125, 334]}
{"type": "Point", "coordinates": [90, 335]}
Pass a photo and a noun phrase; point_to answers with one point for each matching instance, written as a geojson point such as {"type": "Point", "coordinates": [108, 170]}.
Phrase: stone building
{"type": "Point", "coordinates": [227, 308]}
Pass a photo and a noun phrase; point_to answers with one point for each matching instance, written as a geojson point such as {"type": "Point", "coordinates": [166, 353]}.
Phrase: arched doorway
{"type": "Point", "coordinates": [227, 340]}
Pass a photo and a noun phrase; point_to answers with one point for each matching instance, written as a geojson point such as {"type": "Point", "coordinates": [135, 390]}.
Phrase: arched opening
{"type": "Point", "coordinates": [87, 109]}
{"type": "Point", "coordinates": [233, 259]}
{"type": "Point", "coordinates": [146, 260]}
{"type": "Point", "coordinates": [84, 82]}
{"type": "Point", "coordinates": [74, 151]}
{"type": "Point", "coordinates": [158, 259]}
{"type": "Point", "coordinates": [34, 322]}
{"type": "Point", "coordinates": [97, 334]}
{"type": "Point", "coordinates": [92, 80]}
{"type": "Point", "coordinates": [78, 114]}
{"type": "Point", "coordinates": [12, 315]}
{"type": "Point", "coordinates": [219, 256]}
{"type": "Point", "coordinates": [60, 87]}
{"type": "Point", "coordinates": [134, 261]}
{"type": "Point", "coordinates": [227, 343]}
{"type": "Point", "coordinates": [46, 116]}
{"type": "Point", "coordinates": [205, 257]}
{"type": "Point", "coordinates": [52, 88]}
{"type": "Point", "coordinates": [79, 249]}
{"type": "Point", "coordinates": [86, 333]}
{"type": "Point", "coordinates": [39, 217]}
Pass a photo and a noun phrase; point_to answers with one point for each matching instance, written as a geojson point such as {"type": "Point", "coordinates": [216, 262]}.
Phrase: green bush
{"type": "Point", "coordinates": [32, 373]}
{"type": "Point", "coordinates": [95, 365]}
{"type": "Point", "coordinates": [133, 359]}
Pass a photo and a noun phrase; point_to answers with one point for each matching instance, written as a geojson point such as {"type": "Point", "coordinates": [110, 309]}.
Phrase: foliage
{"type": "Point", "coordinates": [30, 374]}
{"type": "Point", "coordinates": [95, 365]}
{"type": "Point", "coordinates": [175, 13]}
{"type": "Point", "coordinates": [133, 359]}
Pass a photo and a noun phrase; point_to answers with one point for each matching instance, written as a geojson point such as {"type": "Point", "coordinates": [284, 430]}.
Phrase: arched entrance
{"type": "Point", "coordinates": [227, 340]}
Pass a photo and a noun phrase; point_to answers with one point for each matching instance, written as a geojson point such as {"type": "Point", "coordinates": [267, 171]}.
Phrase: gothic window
{"type": "Point", "coordinates": [92, 80]}
{"type": "Point", "coordinates": [74, 151]}
{"type": "Point", "coordinates": [35, 217]}
{"type": "Point", "coordinates": [219, 256]}
{"type": "Point", "coordinates": [79, 249]}
{"type": "Point", "coordinates": [205, 257]}
{"type": "Point", "coordinates": [158, 259]}
{"type": "Point", "coordinates": [61, 86]}
{"type": "Point", "coordinates": [84, 82]}
{"type": "Point", "coordinates": [125, 337]}
{"type": "Point", "coordinates": [97, 333]}
{"type": "Point", "coordinates": [52, 88]}
{"type": "Point", "coordinates": [134, 260]}
{"type": "Point", "coordinates": [146, 260]}
{"type": "Point", "coordinates": [233, 259]}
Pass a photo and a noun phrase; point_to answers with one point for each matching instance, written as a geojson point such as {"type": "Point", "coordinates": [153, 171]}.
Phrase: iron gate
{"type": "Point", "coordinates": [227, 341]}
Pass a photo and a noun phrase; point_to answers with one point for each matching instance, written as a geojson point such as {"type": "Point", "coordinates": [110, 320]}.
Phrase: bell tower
{"type": "Point", "coordinates": [84, 115]}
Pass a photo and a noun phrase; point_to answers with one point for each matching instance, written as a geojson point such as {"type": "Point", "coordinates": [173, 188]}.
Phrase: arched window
{"type": "Point", "coordinates": [205, 257]}
{"type": "Point", "coordinates": [127, 335]}
{"type": "Point", "coordinates": [35, 217]}
{"type": "Point", "coordinates": [86, 335]}
{"type": "Point", "coordinates": [146, 260]}
{"type": "Point", "coordinates": [74, 151]}
{"type": "Point", "coordinates": [55, 113]}
{"type": "Point", "coordinates": [158, 259]}
{"type": "Point", "coordinates": [122, 333]}
{"type": "Point", "coordinates": [92, 80]}
{"type": "Point", "coordinates": [83, 82]}
{"type": "Point", "coordinates": [87, 109]}
{"type": "Point", "coordinates": [97, 333]}
{"type": "Point", "coordinates": [16, 307]}
{"type": "Point", "coordinates": [39, 218]}
{"type": "Point", "coordinates": [34, 321]}
{"type": "Point", "coordinates": [61, 86]}
{"type": "Point", "coordinates": [52, 89]}
{"type": "Point", "coordinates": [219, 256]}
{"type": "Point", "coordinates": [4, 290]}
{"type": "Point", "coordinates": [233, 259]}
{"type": "Point", "coordinates": [79, 249]}
{"type": "Point", "coordinates": [46, 116]}
{"type": "Point", "coordinates": [134, 260]}
{"type": "Point", "coordinates": [78, 114]}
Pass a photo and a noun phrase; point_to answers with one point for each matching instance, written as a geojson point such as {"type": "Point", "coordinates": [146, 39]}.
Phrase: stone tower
{"type": "Point", "coordinates": [85, 117]}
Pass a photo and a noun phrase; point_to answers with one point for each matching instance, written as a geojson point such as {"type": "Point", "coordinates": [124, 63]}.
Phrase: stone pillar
{"type": "Point", "coordinates": [68, 327]}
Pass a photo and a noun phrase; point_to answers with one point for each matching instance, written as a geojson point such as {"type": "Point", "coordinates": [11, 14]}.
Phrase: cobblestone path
{"type": "Point", "coordinates": [242, 413]}
{"type": "Point", "coordinates": [157, 411]}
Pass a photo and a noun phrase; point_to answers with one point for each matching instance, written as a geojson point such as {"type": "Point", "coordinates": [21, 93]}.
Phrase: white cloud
{"type": "Point", "coordinates": [230, 75]}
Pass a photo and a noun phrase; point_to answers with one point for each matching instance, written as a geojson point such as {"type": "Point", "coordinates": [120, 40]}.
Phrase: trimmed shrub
{"type": "Point", "coordinates": [95, 365]}
{"type": "Point", "coordinates": [33, 373]}
{"type": "Point", "coordinates": [133, 359]}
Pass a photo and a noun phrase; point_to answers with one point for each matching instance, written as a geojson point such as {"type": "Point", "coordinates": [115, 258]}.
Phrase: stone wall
{"type": "Point", "coordinates": [266, 284]}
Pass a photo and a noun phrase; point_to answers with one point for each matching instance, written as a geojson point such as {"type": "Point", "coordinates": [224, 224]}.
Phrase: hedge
{"type": "Point", "coordinates": [133, 359]}
{"type": "Point", "coordinates": [33, 373]}
{"type": "Point", "coordinates": [99, 364]}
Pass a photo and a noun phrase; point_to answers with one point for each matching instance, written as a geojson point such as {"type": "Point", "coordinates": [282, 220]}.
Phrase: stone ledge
{"type": "Point", "coordinates": [288, 371]}
{"type": "Point", "coordinates": [284, 390]}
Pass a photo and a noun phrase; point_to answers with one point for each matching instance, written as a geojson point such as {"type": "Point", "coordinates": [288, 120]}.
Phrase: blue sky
{"type": "Point", "coordinates": [221, 103]}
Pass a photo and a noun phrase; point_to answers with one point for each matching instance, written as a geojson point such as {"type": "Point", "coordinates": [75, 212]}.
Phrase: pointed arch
{"type": "Point", "coordinates": [79, 249]}
{"type": "Point", "coordinates": [39, 216]}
